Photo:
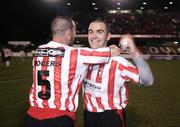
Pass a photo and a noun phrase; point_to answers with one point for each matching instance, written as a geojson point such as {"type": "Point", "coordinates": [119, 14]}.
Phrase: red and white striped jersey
{"type": "Point", "coordinates": [105, 85]}
{"type": "Point", "coordinates": [58, 71]}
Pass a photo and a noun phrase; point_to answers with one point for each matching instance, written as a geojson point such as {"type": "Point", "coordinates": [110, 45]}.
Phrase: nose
{"type": "Point", "coordinates": [94, 35]}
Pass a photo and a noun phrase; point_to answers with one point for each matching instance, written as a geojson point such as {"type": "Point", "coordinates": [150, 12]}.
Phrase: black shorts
{"type": "Point", "coordinates": [108, 118]}
{"type": "Point", "coordinates": [63, 121]}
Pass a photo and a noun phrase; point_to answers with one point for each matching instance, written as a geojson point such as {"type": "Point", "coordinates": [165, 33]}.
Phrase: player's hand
{"type": "Point", "coordinates": [115, 50]}
{"type": "Point", "coordinates": [127, 44]}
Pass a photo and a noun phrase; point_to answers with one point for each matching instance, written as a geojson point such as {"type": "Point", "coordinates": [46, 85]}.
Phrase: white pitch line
{"type": "Point", "coordinates": [12, 80]}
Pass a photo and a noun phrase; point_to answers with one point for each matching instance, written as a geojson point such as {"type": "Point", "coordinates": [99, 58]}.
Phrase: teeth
{"type": "Point", "coordinates": [95, 41]}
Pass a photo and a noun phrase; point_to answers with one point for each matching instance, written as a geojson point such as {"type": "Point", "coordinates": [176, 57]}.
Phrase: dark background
{"type": "Point", "coordinates": [29, 20]}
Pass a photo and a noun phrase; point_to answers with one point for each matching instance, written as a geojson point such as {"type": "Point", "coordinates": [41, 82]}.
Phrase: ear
{"type": "Point", "coordinates": [108, 36]}
{"type": "Point", "coordinates": [68, 33]}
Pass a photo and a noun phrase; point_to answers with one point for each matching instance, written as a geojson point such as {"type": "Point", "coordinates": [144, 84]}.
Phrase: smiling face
{"type": "Point", "coordinates": [98, 34]}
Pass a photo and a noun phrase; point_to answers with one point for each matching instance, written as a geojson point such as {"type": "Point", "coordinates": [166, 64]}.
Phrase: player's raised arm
{"type": "Point", "coordinates": [145, 73]}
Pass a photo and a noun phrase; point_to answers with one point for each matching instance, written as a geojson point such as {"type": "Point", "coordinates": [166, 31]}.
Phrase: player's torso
{"type": "Point", "coordinates": [104, 87]}
{"type": "Point", "coordinates": [101, 78]}
{"type": "Point", "coordinates": [57, 78]}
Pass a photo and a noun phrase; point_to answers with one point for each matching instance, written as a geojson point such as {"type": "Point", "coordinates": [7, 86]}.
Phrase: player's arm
{"type": "Point", "coordinates": [145, 73]}
{"type": "Point", "coordinates": [100, 55]}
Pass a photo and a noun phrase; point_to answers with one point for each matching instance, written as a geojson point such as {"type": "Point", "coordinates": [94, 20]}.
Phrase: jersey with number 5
{"type": "Point", "coordinates": [58, 71]}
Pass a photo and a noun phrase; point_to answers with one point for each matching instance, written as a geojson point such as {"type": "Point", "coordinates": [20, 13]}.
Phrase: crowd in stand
{"type": "Point", "coordinates": [138, 22]}
{"type": "Point", "coordinates": [145, 23]}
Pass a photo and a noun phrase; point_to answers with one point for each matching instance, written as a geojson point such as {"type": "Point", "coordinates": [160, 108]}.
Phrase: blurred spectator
{"type": "Point", "coordinates": [22, 55]}
{"type": "Point", "coordinates": [7, 56]}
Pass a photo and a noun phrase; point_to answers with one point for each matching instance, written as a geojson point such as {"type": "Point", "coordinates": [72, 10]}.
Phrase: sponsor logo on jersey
{"type": "Point", "coordinates": [51, 52]}
{"type": "Point", "coordinates": [92, 86]}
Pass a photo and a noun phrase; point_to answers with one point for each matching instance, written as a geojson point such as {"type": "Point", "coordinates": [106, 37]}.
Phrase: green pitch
{"type": "Point", "coordinates": [156, 106]}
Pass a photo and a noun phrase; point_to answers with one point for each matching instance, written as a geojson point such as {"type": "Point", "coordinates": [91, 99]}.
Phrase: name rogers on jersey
{"type": "Point", "coordinates": [47, 63]}
{"type": "Point", "coordinates": [48, 52]}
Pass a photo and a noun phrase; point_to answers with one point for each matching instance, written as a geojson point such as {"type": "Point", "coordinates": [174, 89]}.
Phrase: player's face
{"type": "Point", "coordinates": [97, 35]}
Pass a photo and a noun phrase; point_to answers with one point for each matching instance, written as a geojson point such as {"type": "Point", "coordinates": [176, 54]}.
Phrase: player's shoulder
{"type": "Point", "coordinates": [44, 45]}
{"type": "Point", "coordinates": [53, 44]}
{"type": "Point", "coordinates": [121, 60]}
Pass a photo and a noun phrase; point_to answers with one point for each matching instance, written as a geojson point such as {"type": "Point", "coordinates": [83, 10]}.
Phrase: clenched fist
{"type": "Point", "coordinates": [115, 50]}
{"type": "Point", "coordinates": [127, 44]}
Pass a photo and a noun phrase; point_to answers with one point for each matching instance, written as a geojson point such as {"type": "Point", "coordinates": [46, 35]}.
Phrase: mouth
{"type": "Point", "coordinates": [95, 41]}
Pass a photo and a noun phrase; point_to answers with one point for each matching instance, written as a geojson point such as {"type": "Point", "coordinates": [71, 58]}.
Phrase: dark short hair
{"type": "Point", "coordinates": [61, 23]}
{"type": "Point", "coordinates": [104, 22]}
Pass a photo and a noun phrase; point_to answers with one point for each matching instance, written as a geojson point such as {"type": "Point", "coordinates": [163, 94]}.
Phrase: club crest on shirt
{"type": "Point", "coordinates": [51, 52]}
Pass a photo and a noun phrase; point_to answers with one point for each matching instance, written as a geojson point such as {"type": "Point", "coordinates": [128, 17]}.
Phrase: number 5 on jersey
{"type": "Point", "coordinates": [45, 93]}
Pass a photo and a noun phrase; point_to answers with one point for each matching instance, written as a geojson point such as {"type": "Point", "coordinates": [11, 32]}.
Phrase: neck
{"type": "Point", "coordinates": [61, 40]}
